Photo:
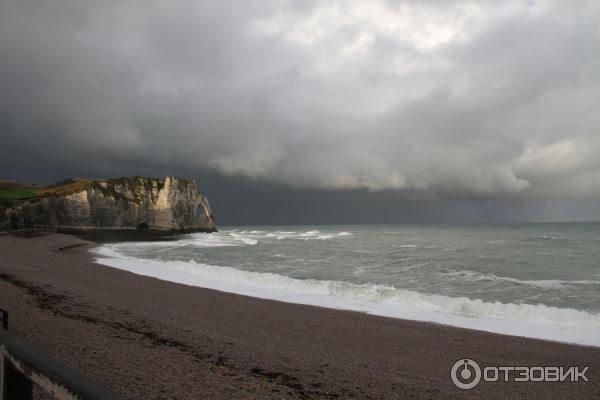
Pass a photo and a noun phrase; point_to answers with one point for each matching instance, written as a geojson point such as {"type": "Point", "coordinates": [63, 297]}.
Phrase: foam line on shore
{"type": "Point", "coordinates": [537, 321]}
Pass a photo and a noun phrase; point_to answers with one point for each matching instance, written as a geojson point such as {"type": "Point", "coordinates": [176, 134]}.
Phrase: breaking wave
{"type": "Point", "coordinates": [535, 320]}
{"type": "Point", "coordinates": [539, 283]}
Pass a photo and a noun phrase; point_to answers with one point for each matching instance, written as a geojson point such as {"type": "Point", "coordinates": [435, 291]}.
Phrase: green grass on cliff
{"type": "Point", "coordinates": [11, 191]}
{"type": "Point", "coordinates": [16, 194]}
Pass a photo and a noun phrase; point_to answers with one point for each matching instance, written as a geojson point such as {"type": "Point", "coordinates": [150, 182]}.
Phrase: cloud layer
{"type": "Point", "coordinates": [476, 98]}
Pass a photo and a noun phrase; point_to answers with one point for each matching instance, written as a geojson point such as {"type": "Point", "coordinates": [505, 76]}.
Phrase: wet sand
{"type": "Point", "coordinates": [151, 339]}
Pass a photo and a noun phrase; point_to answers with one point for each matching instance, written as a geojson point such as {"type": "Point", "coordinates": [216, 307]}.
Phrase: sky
{"type": "Point", "coordinates": [305, 111]}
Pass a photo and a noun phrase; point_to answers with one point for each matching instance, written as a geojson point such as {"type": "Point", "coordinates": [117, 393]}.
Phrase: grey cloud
{"type": "Point", "coordinates": [309, 94]}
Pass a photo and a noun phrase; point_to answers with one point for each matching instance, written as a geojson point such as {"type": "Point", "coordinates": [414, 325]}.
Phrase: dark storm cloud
{"type": "Point", "coordinates": [468, 98]}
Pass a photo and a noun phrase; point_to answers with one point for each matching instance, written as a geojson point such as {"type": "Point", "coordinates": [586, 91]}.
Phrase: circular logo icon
{"type": "Point", "coordinates": [465, 374]}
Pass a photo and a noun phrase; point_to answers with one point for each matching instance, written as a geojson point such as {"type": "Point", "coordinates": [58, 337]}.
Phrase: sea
{"type": "Point", "coordinates": [533, 280]}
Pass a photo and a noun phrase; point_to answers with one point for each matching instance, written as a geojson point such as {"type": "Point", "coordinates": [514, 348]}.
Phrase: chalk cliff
{"type": "Point", "coordinates": [154, 204]}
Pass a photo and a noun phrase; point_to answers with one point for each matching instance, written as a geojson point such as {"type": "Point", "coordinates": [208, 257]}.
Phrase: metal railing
{"type": "Point", "coordinates": [21, 366]}
{"type": "Point", "coordinates": [4, 317]}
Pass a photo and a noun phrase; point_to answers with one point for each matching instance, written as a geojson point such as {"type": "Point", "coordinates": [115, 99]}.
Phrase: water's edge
{"type": "Point", "coordinates": [534, 321]}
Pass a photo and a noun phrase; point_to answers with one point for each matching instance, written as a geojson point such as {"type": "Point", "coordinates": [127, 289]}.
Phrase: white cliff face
{"type": "Point", "coordinates": [163, 194]}
{"type": "Point", "coordinates": [167, 204]}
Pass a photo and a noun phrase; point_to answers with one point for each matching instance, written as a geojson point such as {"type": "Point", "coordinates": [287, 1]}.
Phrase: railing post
{"type": "Point", "coordinates": [15, 386]}
{"type": "Point", "coordinates": [4, 315]}
{"type": "Point", "coordinates": [2, 378]}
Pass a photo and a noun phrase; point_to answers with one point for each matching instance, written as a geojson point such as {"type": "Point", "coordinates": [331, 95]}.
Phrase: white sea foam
{"type": "Point", "coordinates": [220, 239]}
{"type": "Point", "coordinates": [308, 235]}
{"type": "Point", "coordinates": [248, 241]}
{"type": "Point", "coordinates": [244, 239]}
{"type": "Point", "coordinates": [540, 283]}
{"type": "Point", "coordinates": [325, 237]}
{"type": "Point", "coordinates": [196, 240]}
{"type": "Point", "coordinates": [551, 238]}
{"type": "Point", "coordinates": [540, 321]}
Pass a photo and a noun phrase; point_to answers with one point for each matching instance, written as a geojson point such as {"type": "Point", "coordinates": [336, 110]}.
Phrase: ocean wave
{"type": "Point", "coordinates": [248, 241]}
{"type": "Point", "coordinates": [376, 299]}
{"type": "Point", "coordinates": [202, 240]}
{"type": "Point", "coordinates": [309, 235]}
{"type": "Point", "coordinates": [244, 239]}
{"type": "Point", "coordinates": [551, 238]}
{"type": "Point", "coordinates": [539, 283]}
{"type": "Point", "coordinates": [325, 237]}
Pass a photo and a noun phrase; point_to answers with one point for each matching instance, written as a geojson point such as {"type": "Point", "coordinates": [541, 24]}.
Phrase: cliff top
{"type": "Point", "coordinates": [11, 191]}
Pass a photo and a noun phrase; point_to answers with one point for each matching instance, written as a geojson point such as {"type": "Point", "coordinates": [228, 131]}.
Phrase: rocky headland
{"type": "Point", "coordinates": [161, 205]}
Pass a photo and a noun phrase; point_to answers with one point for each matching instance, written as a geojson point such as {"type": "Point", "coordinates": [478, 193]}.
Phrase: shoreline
{"type": "Point", "coordinates": [107, 235]}
{"type": "Point", "coordinates": [158, 339]}
{"type": "Point", "coordinates": [292, 291]}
